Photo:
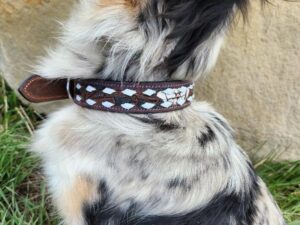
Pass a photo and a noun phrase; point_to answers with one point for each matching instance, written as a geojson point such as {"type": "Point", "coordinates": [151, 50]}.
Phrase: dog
{"type": "Point", "coordinates": [179, 167]}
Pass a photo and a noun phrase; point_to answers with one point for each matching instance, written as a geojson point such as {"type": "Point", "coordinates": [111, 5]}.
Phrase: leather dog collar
{"type": "Point", "coordinates": [112, 96]}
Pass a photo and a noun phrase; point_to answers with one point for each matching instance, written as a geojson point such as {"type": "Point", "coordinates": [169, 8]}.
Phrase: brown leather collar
{"type": "Point", "coordinates": [112, 96]}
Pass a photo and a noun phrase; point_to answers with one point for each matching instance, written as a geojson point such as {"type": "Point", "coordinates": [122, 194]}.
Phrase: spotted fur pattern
{"type": "Point", "coordinates": [177, 168]}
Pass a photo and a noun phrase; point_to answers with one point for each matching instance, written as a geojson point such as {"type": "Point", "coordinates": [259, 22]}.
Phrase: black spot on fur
{"type": "Point", "coordinates": [159, 124]}
{"type": "Point", "coordinates": [223, 209]}
{"type": "Point", "coordinates": [221, 123]}
{"type": "Point", "coordinates": [90, 212]}
{"type": "Point", "coordinates": [167, 126]}
{"type": "Point", "coordinates": [195, 21]}
{"type": "Point", "coordinates": [206, 137]}
{"type": "Point", "coordinates": [192, 22]}
{"type": "Point", "coordinates": [179, 183]}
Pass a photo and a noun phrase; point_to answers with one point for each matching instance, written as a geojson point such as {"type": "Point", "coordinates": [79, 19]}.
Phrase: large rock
{"type": "Point", "coordinates": [256, 83]}
{"type": "Point", "coordinates": [27, 28]}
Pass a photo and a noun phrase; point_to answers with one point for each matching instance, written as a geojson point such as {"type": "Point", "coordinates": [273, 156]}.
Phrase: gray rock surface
{"type": "Point", "coordinates": [256, 83]}
{"type": "Point", "coordinates": [27, 29]}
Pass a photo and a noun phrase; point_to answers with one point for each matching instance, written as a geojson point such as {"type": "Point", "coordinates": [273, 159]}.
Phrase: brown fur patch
{"type": "Point", "coordinates": [132, 7]}
{"type": "Point", "coordinates": [72, 200]}
{"type": "Point", "coordinates": [126, 3]}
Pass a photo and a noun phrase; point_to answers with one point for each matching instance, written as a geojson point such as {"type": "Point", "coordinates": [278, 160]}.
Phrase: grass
{"type": "Point", "coordinates": [23, 198]}
{"type": "Point", "coordinates": [283, 180]}
{"type": "Point", "coordinates": [23, 195]}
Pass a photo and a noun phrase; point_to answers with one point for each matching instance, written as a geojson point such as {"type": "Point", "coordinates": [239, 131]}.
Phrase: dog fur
{"type": "Point", "coordinates": [177, 168]}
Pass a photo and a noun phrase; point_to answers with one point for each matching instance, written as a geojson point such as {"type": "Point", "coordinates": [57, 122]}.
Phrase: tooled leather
{"type": "Point", "coordinates": [95, 99]}
{"type": "Point", "coordinates": [137, 99]}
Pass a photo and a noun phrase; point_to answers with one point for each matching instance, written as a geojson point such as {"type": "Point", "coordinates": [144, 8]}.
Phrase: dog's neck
{"type": "Point", "coordinates": [111, 96]}
{"type": "Point", "coordinates": [155, 41]}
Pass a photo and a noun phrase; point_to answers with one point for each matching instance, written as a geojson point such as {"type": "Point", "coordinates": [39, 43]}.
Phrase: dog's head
{"type": "Point", "coordinates": [149, 39]}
